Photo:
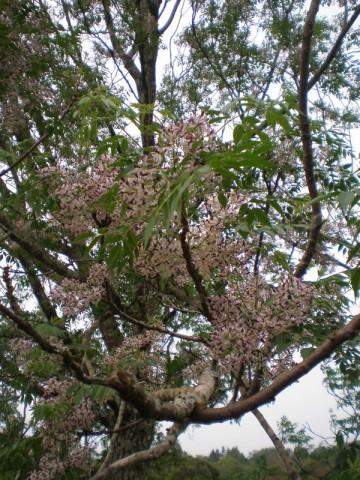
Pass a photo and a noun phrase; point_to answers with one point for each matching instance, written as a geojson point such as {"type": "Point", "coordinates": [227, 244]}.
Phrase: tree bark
{"type": "Point", "coordinates": [127, 441]}
{"type": "Point", "coordinates": [281, 450]}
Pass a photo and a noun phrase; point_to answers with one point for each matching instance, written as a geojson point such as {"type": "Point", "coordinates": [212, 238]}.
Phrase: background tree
{"type": "Point", "coordinates": [158, 275]}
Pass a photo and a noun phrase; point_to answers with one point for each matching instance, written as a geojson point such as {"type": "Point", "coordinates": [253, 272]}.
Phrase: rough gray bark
{"type": "Point", "coordinates": [128, 441]}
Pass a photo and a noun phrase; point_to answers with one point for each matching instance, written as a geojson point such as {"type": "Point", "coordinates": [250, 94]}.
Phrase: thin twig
{"type": "Point", "coordinates": [335, 49]}
{"type": "Point", "coordinates": [190, 266]}
{"type": "Point", "coordinates": [36, 144]}
{"type": "Point", "coordinates": [110, 432]}
{"type": "Point", "coordinates": [155, 328]}
{"type": "Point", "coordinates": [216, 68]}
{"type": "Point", "coordinates": [171, 18]}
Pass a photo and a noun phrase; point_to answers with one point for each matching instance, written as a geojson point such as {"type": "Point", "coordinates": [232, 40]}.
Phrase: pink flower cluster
{"type": "Point", "coordinates": [78, 190]}
{"type": "Point", "coordinates": [212, 251]}
{"type": "Point", "coordinates": [75, 297]}
{"type": "Point", "coordinates": [249, 316]}
{"type": "Point", "coordinates": [247, 311]}
{"type": "Point", "coordinates": [21, 347]}
{"type": "Point", "coordinates": [179, 144]}
{"type": "Point", "coordinates": [60, 441]}
{"type": "Point", "coordinates": [144, 348]}
{"type": "Point", "coordinates": [187, 138]}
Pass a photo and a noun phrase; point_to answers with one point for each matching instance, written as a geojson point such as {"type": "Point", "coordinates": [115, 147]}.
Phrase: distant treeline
{"type": "Point", "coordinates": [341, 462]}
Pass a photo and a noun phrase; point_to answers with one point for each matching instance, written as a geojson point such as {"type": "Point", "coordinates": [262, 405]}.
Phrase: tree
{"type": "Point", "coordinates": [160, 275]}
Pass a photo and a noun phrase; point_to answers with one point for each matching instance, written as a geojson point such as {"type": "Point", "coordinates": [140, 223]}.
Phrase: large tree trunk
{"type": "Point", "coordinates": [128, 441]}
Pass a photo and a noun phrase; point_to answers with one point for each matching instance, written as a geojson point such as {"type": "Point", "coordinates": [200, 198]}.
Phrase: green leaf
{"type": "Point", "coordinates": [170, 201]}
{"type": "Point", "coordinates": [282, 342]}
{"type": "Point", "coordinates": [345, 199]}
{"type": "Point", "coordinates": [354, 252]}
{"type": "Point", "coordinates": [235, 160]}
{"type": "Point", "coordinates": [115, 257]}
{"type": "Point", "coordinates": [84, 236]}
{"type": "Point", "coordinates": [238, 133]}
{"type": "Point", "coordinates": [46, 329]}
{"type": "Point", "coordinates": [355, 280]}
{"type": "Point", "coordinates": [261, 216]}
{"type": "Point", "coordinates": [340, 440]}
{"type": "Point", "coordinates": [305, 352]}
{"type": "Point", "coordinates": [274, 116]}
{"type": "Point", "coordinates": [100, 393]}
{"type": "Point", "coordinates": [109, 199]}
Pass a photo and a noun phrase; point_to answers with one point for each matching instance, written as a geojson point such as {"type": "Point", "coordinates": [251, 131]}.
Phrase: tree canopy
{"type": "Point", "coordinates": [179, 222]}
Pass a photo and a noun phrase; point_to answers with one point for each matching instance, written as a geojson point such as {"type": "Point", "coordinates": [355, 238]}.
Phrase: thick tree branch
{"type": "Point", "coordinates": [335, 49]}
{"type": "Point", "coordinates": [190, 404]}
{"type": "Point", "coordinates": [171, 18]}
{"type": "Point", "coordinates": [143, 455]}
{"type": "Point", "coordinates": [122, 382]}
{"type": "Point", "coordinates": [308, 157]}
{"type": "Point", "coordinates": [127, 60]}
{"type": "Point", "coordinates": [23, 239]}
{"type": "Point", "coordinates": [146, 44]}
{"type": "Point", "coordinates": [281, 450]}
{"type": "Point", "coordinates": [38, 290]}
{"type": "Point", "coordinates": [268, 394]}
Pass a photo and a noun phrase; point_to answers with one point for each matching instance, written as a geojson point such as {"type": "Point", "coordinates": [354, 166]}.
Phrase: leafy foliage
{"type": "Point", "coordinates": [167, 250]}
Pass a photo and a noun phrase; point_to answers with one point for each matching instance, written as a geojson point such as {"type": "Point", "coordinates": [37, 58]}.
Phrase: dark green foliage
{"type": "Point", "coordinates": [322, 463]}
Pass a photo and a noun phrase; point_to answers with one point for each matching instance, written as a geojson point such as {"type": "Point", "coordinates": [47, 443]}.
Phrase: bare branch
{"type": "Point", "coordinates": [308, 157]}
{"type": "Point", "coordinates": [108, 432]}
{"type": "Point", "coordinates": [268, 394]}
{"type": "Point", "coordinates": [113, 439]}
{"type": "Point", "coordinates": [171, 17]}
{"type": "Point", "coordinates": [117, 304]}
{"type": "Point", "coordinates": [127, 59]}
{"type": "Point", "coordinates": [154, 328]}
{"type": "Point", "coordinates": [281, 450]}
{"type": "Point", "coordinates": [335, 49]}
